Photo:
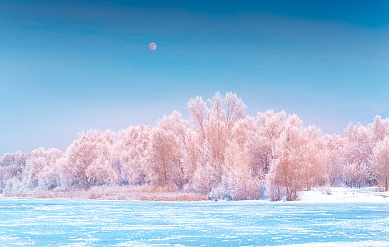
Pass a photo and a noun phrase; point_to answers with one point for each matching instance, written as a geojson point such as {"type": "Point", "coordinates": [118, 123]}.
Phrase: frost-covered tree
{"type": "Point", "coordinates": [380, 162]}
{"type": "Point", "coordinates": [355, 155]}
{"type": "Point", "coordinates": [284, 177]}
{"type": "Point", "coordinates": [90, 161]}
{"type": "Point", "coordinates": [132, 151]}
{"type": "Point", "coordinates": [361, 141]}
{"type": "Point", "coordinates": [214, 124]}
{"type": "Point", "coordinates": [35, 170]}
{"type": "Point", "coordinates": [219, 151]}
{"type": "Point", "coordinates": [199, 114]}
{"type": "Point", "coordinates": [11, 166]}
{"type": "Point", "coordinates": [297, 163]}
{"type": "Point", "coordinates": [333, 145]}
{"type": "Point", "coordinates": [356, 174]}
{"type": "Point", "coordinates": [240, 180]}
{"type": "Point", "coordinates": [242, 173]}
{"type": "Point", "coordinates": [189, 145]}
{"type": "Point", "coordinates": [40, 171]}
{"type": "Point", "coordinates": [270, 127]}
{"type": "Point", "coordinates": [379, 128]}
{"type": "Point", "coordinates": [165, 165]}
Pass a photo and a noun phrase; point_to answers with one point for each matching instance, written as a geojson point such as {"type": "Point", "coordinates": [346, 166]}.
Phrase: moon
{"type": "Point", "coordinates": [152, 46]}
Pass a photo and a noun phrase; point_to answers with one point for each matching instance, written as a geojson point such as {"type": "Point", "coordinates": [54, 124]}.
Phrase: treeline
{"type": "Point", "coordinates": [219, 151]}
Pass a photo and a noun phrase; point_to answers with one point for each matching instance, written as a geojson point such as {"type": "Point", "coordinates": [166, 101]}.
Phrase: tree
{"type": "Point", "coordinates": [199, 114]}
{"type": "Point", "coordinates": [219, 151]}
{"type": "Point", "coordinates": [355, 174]}
{"type": "Point", "coordinates": [380, 162]}
{"type": "Point", "coordinates": [165, 159]}
{"type": "Point", "coordinates": [244, 166]}
{"type": "Point", "coordinates": [333, 145]}
{"type": "Point", "coordinates": [11, 166]}
{"type": "Point", "coordinates": [90, 161]}
{"type": "Point", "coordinates": [40, 171]}
{"type": "Point", "coordinates": [355, 155]}
{"type": "Point", "coordinates": [284, 178]}
{"type": "Point", "coordinates": [132, 153]}
{"type": "Point", "coordinates": [297, 162]}
{"type": "Point", "coordinates": [189, 142]}
{"type": "Point", "coordinates": [214, 125]}
{"type": "Point", "coordinates": [379, 128]}
{"type": "Point", "coordinates": [270, 127]}
{"type": "Point", "coordinates": [29, 171]}
{"type": "Point", "coordinates": [239, 180]}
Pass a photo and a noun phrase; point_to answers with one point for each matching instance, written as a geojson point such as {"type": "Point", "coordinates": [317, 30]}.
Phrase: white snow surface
{"type": "Point", "coordinates": [343, 195]}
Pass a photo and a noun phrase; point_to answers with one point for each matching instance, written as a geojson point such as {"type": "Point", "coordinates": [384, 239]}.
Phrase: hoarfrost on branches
{"type": "Point", "coordinates": [220, 151]}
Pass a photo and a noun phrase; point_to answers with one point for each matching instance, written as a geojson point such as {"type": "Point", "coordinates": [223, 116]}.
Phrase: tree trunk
{"type": "Point", "coordinates": [386, 178]}
{"type": "Point", "coordinates": [164, 170]}
{"type": "Point", "coordinates": [288, 196]}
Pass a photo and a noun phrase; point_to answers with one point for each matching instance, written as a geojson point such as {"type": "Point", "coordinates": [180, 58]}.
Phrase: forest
{"type": "Point", "coordinates": [220, 152]}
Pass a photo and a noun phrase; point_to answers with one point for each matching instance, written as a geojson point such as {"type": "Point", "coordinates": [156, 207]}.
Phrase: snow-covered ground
{"type": "Point", "coordinates": [344, 218]}
{"type": "Point", "coordinates": [342, 194]}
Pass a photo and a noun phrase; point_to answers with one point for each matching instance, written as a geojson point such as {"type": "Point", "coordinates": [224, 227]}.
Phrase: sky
{"type": "Point", "coordinates": [68, 66]}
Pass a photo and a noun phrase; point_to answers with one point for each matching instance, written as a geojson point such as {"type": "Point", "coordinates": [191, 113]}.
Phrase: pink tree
{"type": "Point", "coordinates": [165, 165]}
{"type": "Point", "coordinates": [333, 145]}
{"type": "Point", "coordinates": [213, 125]}
{"type": "Point", "coordinates": [90, 161]}
{"type": "Point", "coordinates": [297, 162]}
{"type": "Point", "coordinates": [244, 168]}
{"type": "Point", "coordinates": [379, 128]}
{"type": "Point", "coordinates": [239, 180]}
{"type": "Point", "coordinates": [188, 144]}
{"type": "Point", "coordinates": [361, 140]}
{"type": "Point", "coordinates": [40, 171]}
{"type": "Point", "coordinates": [380, 162]}
{"type": "Point", "coordinates": [355, 155]}
{"type": "Point", "coordinates": [11, 166]}
{"type": "Point", "coordinates": [270, 127]}
{"type": "Point", "coordinates": [132, 151]}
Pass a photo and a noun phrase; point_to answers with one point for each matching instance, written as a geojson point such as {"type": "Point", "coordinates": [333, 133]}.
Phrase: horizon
{"type": "Point", "coordinates": [69, 67]}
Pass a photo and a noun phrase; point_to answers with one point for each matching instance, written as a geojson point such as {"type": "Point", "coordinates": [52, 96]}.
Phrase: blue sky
{"type": "Point", "coordinates": [67, 66]}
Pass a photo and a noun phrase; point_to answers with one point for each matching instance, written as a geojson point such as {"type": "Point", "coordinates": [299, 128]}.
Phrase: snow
{"type": "Point", "coordinates": [342, 195]}
{"type": "Point", "coordinates": [347, 217]}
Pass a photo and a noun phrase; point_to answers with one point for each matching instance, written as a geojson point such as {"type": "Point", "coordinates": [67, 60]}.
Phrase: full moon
{"type": "Point", "coordinates": [152, 46]}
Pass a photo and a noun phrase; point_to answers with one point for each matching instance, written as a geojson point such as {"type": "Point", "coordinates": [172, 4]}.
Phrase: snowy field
{"type": "Point", "coordinates": [348, 219]}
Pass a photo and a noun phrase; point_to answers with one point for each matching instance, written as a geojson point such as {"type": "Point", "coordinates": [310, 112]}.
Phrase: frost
{"type": "Point", "coordinates": [220, 153]}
